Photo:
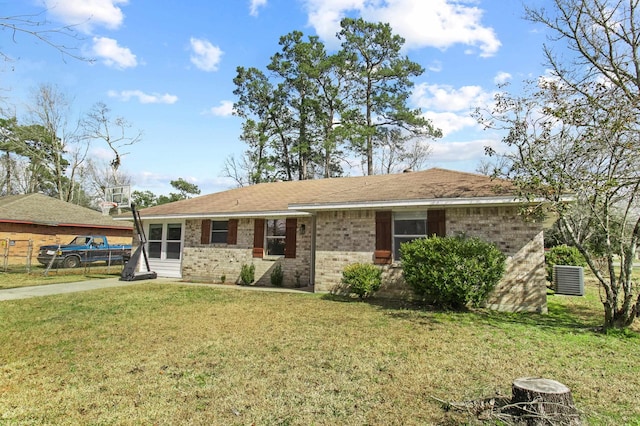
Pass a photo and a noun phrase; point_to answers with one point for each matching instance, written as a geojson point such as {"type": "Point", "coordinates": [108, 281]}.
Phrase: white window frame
{"type": "Point", "coordinates": [268, 237]}
{"type": "Point", "coordinates": [403, 216]}
{"type": "Point", "coordinates": [165, 242]}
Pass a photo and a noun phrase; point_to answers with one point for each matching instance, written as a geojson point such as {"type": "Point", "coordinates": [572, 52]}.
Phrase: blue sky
{"type": "Point", "coordinates": [167, 67]}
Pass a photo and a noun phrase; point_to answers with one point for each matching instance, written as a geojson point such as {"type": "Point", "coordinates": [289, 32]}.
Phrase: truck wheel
{"type": "Point", "coordinates": [71, 262]}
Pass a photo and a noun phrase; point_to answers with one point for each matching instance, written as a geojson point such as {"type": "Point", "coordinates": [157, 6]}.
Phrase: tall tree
{"type": "Point", "coordinates": [585, 143]}
{"type": "Point", "coordinates": [56, 146]}
{"type": "Point", "coordinates": [602, 72]}
{"type": "Point", "coordinates": [267, 126]}
{"type": "Point", "coordinates": [380, 80]}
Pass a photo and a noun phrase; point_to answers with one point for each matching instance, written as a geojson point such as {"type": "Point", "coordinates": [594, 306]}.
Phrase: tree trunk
{"type": "Point", "coordinates": [544, 402]}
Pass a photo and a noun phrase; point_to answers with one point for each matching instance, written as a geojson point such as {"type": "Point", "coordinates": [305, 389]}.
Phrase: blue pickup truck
{"type": "Point", "coordinates": [82, 250]}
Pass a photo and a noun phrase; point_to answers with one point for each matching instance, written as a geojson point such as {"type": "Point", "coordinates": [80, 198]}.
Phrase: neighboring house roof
{"type": "Point", "coordinates": [40, 209]}
{"type": "Point", "coordinates": [433, 187]}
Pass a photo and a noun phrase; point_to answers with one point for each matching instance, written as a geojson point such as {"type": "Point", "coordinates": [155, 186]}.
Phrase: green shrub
{"type": "Point", "coordinates": [362, 279]}
{"type": "Point", "coordinates": [247, 274]}
{"type": "Point", "coordinates": [562, 255]}
{"type": "Point", "coordinates": [452, 272]}
{"type": "Point", "coordinates": [277, 276]}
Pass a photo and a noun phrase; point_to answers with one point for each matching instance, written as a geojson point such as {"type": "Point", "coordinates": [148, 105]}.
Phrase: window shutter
{"type": "Point", "coordinates": [258, 238]}
{"type": "Point", "coordinates": [232, 232]}
{"type": "Point", "coordinates": [382, 254]}
{"type": "Point", "coordinates": [205, 236]}
{"type": "Point", "coordinates": [290, 238]}
{"type": "Point", "coordinates": [436, 223]}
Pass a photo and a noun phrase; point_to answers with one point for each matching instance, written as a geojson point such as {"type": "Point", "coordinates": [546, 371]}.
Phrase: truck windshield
{"type": "Point", "coordinates": [80, 241]}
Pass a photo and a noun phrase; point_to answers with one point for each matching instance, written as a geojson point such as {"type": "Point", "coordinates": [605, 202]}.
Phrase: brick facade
{"type": "Point", "coordinates": [212, 262]}
{"type": "Point", "coordinates": [348, 236]}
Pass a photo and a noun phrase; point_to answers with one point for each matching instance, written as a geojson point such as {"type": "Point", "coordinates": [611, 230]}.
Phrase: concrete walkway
{"type": "Point", "coordinates": [50, 289]}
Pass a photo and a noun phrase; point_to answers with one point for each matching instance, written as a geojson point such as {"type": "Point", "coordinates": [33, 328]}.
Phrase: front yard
{"type": "Point", "coordinates": [177, 354]}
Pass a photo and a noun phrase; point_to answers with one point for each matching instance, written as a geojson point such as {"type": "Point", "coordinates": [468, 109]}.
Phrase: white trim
{"type": "Point", "coordinates": [276, 214]}
{"type": "Point", "coordinates": [439, 202]}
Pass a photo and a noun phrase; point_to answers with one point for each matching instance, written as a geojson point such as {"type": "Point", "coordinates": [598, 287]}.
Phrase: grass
{"type": "Point", "coordinates": [16, 277]}
{"type": "Point", "coordinates": [177, 354]}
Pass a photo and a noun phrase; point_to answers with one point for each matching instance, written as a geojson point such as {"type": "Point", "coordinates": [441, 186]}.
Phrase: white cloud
{"type": "Point", "coordinates": [450, 122]}
{"type": "Point", "coordinates": [449, 151]}
{"type": "Point", "coordinates": [143, 98]}
{"type": "Point", "coordinates": [205, 55]}
{"type": "Point", "coordinates": [224, 110]}
{"type": "Point", "coordinates": [449, 108]}
{"type": "Point", "coordinates": [112, 54]}
{"type": "Point", "coordinates": [87, 14]}
{"type": "Point", "coordinates": [435, 66]}
{"type": "Point", "coordinates": [255, 5]}
{"type": "Point", "coordinates": [502, 77]}
{"type": "Point", "coordinates": [434, 23]}
{"type": "Point", "coordinates": [447, 98]}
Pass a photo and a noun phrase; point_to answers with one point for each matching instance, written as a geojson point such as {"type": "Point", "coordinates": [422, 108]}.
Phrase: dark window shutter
{"type": "Point", "coordinates": [232, 232]}
{"type": "Point", "coordinates": [205, 236]}
{"type": "Point", "coordinates": [290, 238]}
{"type": "Point", "coordinates": [436, 223]}
{"type": "Point", "coordinates": [382, 254]}
{"type": "Point", "coordinates": [258, 238]}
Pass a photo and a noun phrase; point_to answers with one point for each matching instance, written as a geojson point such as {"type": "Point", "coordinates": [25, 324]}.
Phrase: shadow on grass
{"type": "Point", "coordinates": [563, 315]}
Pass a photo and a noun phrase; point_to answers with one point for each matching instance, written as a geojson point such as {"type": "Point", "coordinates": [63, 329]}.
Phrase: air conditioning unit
{"type": "Point", "coordinates": [568, 280]}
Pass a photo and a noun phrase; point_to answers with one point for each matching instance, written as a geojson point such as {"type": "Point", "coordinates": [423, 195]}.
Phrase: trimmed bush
{"type": "Point", "coordinates": [452, 272]}
{"type": "Point", "coordinates": [362, 279]}
{"type": "Point", "coordinates": [247, 274]}
{"type": "Point", "coordinates": [562, 255]}
{"type": "Point", "coordinates": [277, 276]}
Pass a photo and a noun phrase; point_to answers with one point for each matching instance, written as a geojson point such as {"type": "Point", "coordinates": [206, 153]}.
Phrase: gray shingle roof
{"type": "Point", "coordinates": [43, 210]}
{"type": "Point", "coordinates": [432, 184]}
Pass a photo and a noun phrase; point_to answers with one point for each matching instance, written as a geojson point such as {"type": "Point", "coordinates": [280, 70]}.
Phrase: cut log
{"type": "Point", "coordinates": [544, 402]}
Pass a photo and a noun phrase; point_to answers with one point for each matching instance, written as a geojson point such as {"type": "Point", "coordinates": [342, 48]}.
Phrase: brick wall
{"type": "Point", "coordinates": [17, 238]}
{"type": "Point", "coordinates": [210, 262]}
{"type": "Point", "coordinates": [522, 288]}
{"type": "Point", "coordinates": [342, 237]}
{"type": "Point", "coordinates": [345, 237]}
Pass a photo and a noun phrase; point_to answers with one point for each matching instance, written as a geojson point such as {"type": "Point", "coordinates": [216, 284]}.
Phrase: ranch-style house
{"type": "Point", "coordinates": [314, 228]}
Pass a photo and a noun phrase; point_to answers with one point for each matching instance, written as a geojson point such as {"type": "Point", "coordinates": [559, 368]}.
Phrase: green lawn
{"type": "Point", "coordinates": [16, 277]}
{"type": "Point", "coordinates": [177, 354]}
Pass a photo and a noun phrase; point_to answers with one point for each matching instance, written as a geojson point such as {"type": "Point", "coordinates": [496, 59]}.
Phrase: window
{"type": "Point", "coordinates": [275, 237]}
{"type": "Point", "coordinates": [155, 240]}
{"type": "Point", "coordinates": [174, 240]}
{"type": "Point", "coordinates": [408, 227]}
{"type": "Point", "coordinates": [165, 240]}
{"type": "Point", "coordinates": [219, 231]}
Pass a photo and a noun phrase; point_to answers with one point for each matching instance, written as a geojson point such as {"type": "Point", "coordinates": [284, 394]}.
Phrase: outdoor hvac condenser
{"type": "Point", "coordinates": [568, 280]}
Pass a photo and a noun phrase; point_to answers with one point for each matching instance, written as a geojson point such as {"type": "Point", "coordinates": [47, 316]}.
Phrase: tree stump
{"type": "Point", "coordinates": [544, 402]}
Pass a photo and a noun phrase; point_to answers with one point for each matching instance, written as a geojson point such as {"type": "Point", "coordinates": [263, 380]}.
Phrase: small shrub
{"type": "Point", "coordinates": [452, 272]}
{"type": "Point", "coordinates": [247, 274]}
{"type": "Point", "coordinates": [223, 278]}
{"type": "Point", "coordinates": [362, 279]}
{"type": "Point", "coordinates": [277, 276]}
{"type": "Point", "coordinates": [562, 255]}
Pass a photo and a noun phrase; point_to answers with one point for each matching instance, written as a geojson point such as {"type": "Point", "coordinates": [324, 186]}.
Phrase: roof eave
{"type": "Point", "coordinates": [222, 215]}
{"type": "Point", "coordinates": [434, 202]}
